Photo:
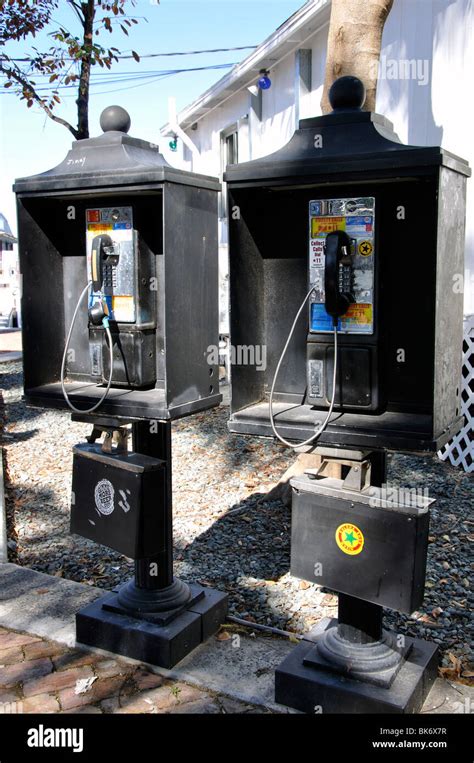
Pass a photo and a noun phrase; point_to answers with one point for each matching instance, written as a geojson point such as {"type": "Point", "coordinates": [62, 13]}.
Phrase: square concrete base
{"type": "Point", "coordinates": [316, 690]}
{"type": "Point", "coordinates": [162, 645]}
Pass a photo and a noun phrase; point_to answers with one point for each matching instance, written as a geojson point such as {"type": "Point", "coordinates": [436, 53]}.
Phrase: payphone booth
{"type": "Point", "coordinates": [345, 246]}
{"type": "Point", "coordinates": [119, 260]}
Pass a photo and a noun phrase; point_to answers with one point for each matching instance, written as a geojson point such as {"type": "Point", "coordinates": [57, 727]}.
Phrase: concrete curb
{"type": "Point", "coordinates": [10, 357]}
{"type": "Point", "coordinates": [241, 667]}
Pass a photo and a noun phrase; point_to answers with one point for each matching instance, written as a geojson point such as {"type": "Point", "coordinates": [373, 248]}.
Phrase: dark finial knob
{"type": "Point", "coordinates": [347, 93]}
{"type": "Point", "coordinates": [115, 118]}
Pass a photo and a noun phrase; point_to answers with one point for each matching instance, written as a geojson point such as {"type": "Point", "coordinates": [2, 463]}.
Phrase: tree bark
{"type": "Point", "coordinates": [88, 9]}
{"type": "Point", "coordinates": [354, 42]}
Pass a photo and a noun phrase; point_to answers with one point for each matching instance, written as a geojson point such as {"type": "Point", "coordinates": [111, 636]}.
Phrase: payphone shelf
{"type": "Point", "coordinates": [391, 430]}
{"type": "Point", "coordinates": [139, 404]}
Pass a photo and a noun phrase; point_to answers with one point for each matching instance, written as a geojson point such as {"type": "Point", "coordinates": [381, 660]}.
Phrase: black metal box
{"type": "Point", "coordinates": [134, 358]}
{"type": "Point", "coordinates": [115, 499]}
{"type": "Point", "coordinates": [369, 544]}
{"type": "Point", "coordinates": [162, 365]}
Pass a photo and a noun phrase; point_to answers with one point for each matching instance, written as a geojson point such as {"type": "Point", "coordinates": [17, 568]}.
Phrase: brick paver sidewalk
{"type": "Point", "coordinates": [41, 676]}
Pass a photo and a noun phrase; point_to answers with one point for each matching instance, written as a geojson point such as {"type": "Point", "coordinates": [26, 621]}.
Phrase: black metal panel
{"type": "Point", "coordinates": [246, 307]}
{"type": "Point", "coordinates": [42, 319]}
{"type": "Point", "coordinates": [449, 296]}
{"type": "Point", "coordinates": [392, 430]}
{"type": "Point", "coordinates": [124, 403]}
{"type": "Point", "coordinates": [390, 568]}
{"type": "Point", "coordinates": [115, 499]}
{"type": "Point", "coordinates": [134, 359]}
{"type": "Point", "coordinates": [356, 378]}
{"type": "Point", "coordinates": [281, 304]}
{"type": "Point", "coordinates": [191, 284]}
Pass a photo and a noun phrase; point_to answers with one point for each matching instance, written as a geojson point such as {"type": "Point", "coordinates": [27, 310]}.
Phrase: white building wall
{"type": "Point", "coordinates": [436, 113]}
{"type": "Point", "coordinates": [278, 111]}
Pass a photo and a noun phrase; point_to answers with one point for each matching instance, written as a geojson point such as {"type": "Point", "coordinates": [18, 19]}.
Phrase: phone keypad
{"type": "Point", "coordinates": [345, 278]}
{"type": "Point", "coordinates": [110, 276]}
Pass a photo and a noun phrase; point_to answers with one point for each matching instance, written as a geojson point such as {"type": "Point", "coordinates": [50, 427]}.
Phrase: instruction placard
{"type": "Point", "coordinates": [355, 216]}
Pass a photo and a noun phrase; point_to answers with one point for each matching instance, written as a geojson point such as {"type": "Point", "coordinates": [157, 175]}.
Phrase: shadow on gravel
{"type": "Point", "coordinates": [231, 446]}
{"type": "Point", "coordinates": [243, 552]}
{"type": "Point", "coordinates": [30, 500]}
{"type": "Point", "coordinates": [12, 436]}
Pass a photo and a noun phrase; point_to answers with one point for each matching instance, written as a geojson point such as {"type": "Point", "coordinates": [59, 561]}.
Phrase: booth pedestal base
{"type": "Point", "coordinates": [105, 625]}
{"type": "Point", "coordinates": [313, 688]}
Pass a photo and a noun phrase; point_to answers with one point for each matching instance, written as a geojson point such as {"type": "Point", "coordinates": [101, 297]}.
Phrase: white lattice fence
{"type": "Point", "coordinates": [460, 450]}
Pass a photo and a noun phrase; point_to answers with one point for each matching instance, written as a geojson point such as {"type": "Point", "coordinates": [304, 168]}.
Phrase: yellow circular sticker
{"type": "Point", "coordinates": [349, 538]}
{"type": "Point", "coordinates": [365, 248]}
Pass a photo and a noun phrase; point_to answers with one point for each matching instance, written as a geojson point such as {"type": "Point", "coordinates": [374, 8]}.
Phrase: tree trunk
{"type": "Point", "coordinates": [354, 42]}
{"type": "Point", "coordinates": [88, 9]}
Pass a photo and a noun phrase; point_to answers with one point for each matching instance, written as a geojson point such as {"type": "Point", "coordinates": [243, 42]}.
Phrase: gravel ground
{"type": "Point", "coordinates": [225, 533]}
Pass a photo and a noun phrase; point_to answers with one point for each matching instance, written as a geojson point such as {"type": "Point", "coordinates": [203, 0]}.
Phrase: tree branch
{"type": "Point", "coordinates": [77, 8]}
{"type": "Point", "coordinates": [18, 77]}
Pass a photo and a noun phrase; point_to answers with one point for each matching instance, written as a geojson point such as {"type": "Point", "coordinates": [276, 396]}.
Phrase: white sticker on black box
{"type": "Point", "coordinates": [104, 497]}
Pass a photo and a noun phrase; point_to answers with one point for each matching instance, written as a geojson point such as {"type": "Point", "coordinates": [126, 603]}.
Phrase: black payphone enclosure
{"type": "Point", "coordinates": [162, 366]}
{"type": "Point", "coordinates": [401, 382]}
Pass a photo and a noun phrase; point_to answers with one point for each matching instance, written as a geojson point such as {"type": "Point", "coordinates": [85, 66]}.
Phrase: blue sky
{"type": "Point", "coordinates": [31, 143]}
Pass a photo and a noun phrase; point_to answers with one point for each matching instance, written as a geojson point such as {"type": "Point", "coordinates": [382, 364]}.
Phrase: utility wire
{"type": "Point", "coordinates": [121, 89]}
{"type": "Point", "coordinates": [159, 55]}
{"type": "Point", "coordinates": [149, 78]}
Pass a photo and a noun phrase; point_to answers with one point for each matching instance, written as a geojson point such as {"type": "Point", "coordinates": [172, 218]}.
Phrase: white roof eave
{"type": "Point", "coordinates": [287, 38]}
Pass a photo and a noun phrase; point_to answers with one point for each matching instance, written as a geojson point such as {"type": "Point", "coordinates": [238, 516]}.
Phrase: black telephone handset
{"type": "Point", "coordinates": [337, 274]}
{"type": "Point", "coordinates": [102, 246]}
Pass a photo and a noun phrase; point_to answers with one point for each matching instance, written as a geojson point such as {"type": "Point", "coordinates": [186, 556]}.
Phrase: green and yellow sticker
{"type": "Point", "coordinates": [350, 538]}
{"type": "Point", "coordinates": [365, 248]}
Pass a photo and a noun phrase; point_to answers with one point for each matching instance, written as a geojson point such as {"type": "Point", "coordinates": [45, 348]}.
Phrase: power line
{"type": "Point", "coordinates": [191, 52]}
{"type": "Point", "coordinates": [159, 55]}
{"type": "Point", "coordinates": [130, 87]}
{"type": "Point", "coordinates": [149, 77]}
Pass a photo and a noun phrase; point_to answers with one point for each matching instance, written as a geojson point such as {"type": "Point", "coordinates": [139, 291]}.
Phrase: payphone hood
{"type": "Point", "coordinates": [113, 158]}
{"type": "Point", "coordinates": [346, 140]}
